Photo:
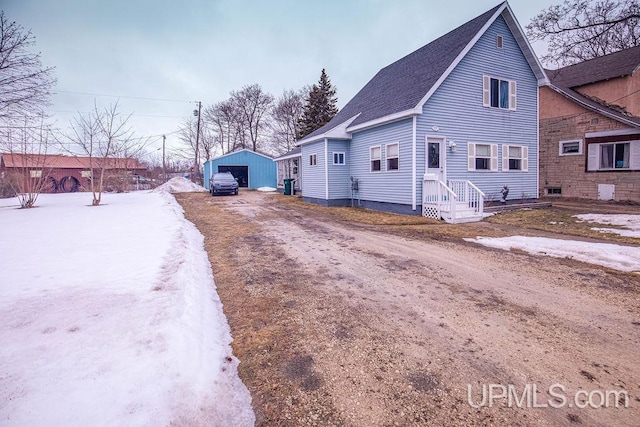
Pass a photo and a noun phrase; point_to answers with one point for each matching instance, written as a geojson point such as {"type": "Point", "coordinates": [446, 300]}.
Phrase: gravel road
{"type": "Point", "coordinates": [377, 328]}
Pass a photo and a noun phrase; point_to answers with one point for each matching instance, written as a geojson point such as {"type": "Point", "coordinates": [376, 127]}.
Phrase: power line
{"type": "Point", "coordinates": [123, 96]}
{"type": "Point", "coordinates": [132, 115]}
{"type": "Point", "coordinates": [622, 97]}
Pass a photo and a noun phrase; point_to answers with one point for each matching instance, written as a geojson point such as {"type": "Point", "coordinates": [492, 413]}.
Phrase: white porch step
{"type": "Point", "coordinates": [464, 213]}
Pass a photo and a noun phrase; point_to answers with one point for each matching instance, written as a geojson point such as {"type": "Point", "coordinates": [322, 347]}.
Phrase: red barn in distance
{"type": "Point", "coordinates": [64, 174]}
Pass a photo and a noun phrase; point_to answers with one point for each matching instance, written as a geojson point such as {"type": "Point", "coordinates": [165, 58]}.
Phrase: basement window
{"type": "Point", "coordinates": [554, 191]}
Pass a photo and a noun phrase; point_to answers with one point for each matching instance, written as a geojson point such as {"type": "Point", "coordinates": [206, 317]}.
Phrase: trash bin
{"type": "Point", "coordinates": [287, 186]}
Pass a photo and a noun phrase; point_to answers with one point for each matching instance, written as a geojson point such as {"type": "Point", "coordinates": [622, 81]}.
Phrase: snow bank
{"type": "Point", "coordinates": [267, 189]}
{"type": "Point", "coordinates": [631, 223]}
{"type": "Point", "coordinates": [109, 316]}
{"type": "Point", "coordinates": [179, 184]}
{"type": "Point", "coordinates": [617, 257]}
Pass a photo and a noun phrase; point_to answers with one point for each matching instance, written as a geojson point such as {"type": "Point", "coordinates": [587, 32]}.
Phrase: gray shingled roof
{"type": "Point", "coordinates": [606, 67]}
{"type": "Point", "coordinates": [289, 154]}
{"type": "Point", "coordinates": [402, 85]}
{"type": "Point", "coordinates": [565, 80]}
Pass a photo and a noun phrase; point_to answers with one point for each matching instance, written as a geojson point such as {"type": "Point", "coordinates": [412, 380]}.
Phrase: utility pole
{"type": "Point", "coordinates": [196, 169]}
{"type": "Point", "coordinates": [164, 167]}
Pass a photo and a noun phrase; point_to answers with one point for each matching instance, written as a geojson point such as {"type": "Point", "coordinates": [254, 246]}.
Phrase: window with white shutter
{"type": "Point", "coordinates": [515, 158]}
{"type": "Point", "coordinates": [482, 157]}
{"type": "Point", "coordinates": [499, 93]}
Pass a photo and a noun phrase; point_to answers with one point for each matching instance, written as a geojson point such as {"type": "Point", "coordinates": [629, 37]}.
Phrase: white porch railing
{"type": "Point", "coordinates": [468, 194]}
{"type": "Point", "coordinates": [438, 200]}
{"type": "Point", "coordinates": [460, 199]}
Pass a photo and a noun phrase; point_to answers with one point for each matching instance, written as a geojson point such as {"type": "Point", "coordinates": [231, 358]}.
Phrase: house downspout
{"type": "Point", "coordinates": [326, 169]}
{"type": "Point", "coordinates": [538, 143]}
{"type": "Point", "coordinates": [413, 164]}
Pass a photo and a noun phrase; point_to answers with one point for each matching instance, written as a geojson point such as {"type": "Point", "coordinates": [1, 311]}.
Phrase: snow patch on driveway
{"type": "Point", "coordinates": [617, 257]}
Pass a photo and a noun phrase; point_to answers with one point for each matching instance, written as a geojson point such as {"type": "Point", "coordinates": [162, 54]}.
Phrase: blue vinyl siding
{"type": "Point", "coordinates": [339, 182]}
{"type": "Point", "coordinates": [384, 186]}
{"type": "Point", "coordinates": [313, 177]}
{"type": "Point", "coordinates": [262, 169]}
{"type": "Point", "coordinates": [456, 110]}
{"type": "Point", "coordinates": [207, 174]}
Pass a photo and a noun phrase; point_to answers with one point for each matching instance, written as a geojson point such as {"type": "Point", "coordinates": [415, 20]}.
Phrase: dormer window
{"type": "Point", "coordinates": [499, 42]}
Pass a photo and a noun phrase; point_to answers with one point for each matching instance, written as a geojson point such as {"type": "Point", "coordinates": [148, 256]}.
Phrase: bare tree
{"type": "Point", "coordinates": [105, 137]}
{"type": "Point", "coordinates": [253, 105]}
{"type": "Point", "coordinates": [26, 149]}
{"type": "Point", "coordinates": [579, 30]}
{"type": "Point", "coordinates": [225, 119]}
{"type": "Point", "coordinates": [207, 147]}
{"type": "Point", "coordinates": [25, 86]}
{"type": "Point", "coordinates": [285, 119]}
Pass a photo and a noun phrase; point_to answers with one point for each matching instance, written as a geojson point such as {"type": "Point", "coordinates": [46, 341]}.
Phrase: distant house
{"type": "Point", "coordinates": [590, 129]}
{"type": "Point", "coordinates": [65, 174]}
{"type": "Point", "coordinates": [288, 167]}
{"type": "Point", "coordinates": [251, 169]}
{"type": "Point", "coordinates": [438, 131]}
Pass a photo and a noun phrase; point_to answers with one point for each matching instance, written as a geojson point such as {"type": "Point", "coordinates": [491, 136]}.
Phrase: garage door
{"type": "Point", "coordinates": [241, 173]}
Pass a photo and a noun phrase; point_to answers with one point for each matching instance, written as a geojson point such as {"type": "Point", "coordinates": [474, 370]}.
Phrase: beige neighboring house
{"type": "Point", "coordinates": [590, 129]}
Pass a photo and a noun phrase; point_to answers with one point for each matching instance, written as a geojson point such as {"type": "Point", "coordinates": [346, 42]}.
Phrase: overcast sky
{"type": "Point", "coordinates": [176, 52]}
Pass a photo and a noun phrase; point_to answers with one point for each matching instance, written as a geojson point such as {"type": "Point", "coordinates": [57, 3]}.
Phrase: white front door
{"type": "Point", "coordinates": [435, 164]}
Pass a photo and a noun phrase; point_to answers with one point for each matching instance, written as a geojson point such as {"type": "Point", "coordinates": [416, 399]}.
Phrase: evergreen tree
{"type": "Point", "coordinates": [320, 106]}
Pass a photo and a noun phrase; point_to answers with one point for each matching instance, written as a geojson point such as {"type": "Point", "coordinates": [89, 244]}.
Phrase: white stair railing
{"type": "Point", "coordinates": [469, 194]}
{"type": "Point", "coordinates": [440, 200]}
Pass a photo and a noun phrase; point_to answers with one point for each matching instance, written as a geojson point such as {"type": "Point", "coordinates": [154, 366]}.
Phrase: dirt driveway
{"type": "Point", "coordinates": [340, 323]}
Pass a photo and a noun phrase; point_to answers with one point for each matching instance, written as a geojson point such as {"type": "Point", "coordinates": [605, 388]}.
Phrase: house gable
{"type": "Point", "coordinates": [456, 111]}
{"type": "Point", "coordinates": [400, 90]}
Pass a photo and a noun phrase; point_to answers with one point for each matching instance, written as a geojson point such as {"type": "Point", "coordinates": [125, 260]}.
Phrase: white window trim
{"type": "Point", "coordinates": [35, 173]}
{"type": "Point", "coordinates": [313, 156]}
{"type": "Point", "coordinates": [386, 157]}
{"type": "Point", "coordinates": [371, 159]}
{"type": "Point", "coordinates": [593, 157]}
{"type": "Point", "coordinates": [570, 141]}
{"type": "Point", "coordinates": [486, 93]}
{"type": "Point", "coordinates": [344, 158]}
{"type": "Point", "coordinates": [471, 157]}
{"type": "Point", "coordinates": [524, 158]}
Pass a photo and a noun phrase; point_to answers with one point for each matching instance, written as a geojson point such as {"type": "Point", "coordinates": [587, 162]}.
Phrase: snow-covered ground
{"type": "Point", "coordinates": [179, 184]}
{"type": "Point", "coordinates": [617, 257]}
{"type": "Point", "coordinates": [109, 316]}
{"type": "Point", "coordinates": [631, 223]}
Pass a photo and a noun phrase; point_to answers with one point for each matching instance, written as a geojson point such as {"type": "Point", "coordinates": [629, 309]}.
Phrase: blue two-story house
{"type": "Point", "coordinates": [437, 132]}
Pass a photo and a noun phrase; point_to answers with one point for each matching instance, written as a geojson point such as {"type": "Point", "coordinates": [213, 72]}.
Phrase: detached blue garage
{"type": "Point", "coordinates": [251, 169]}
